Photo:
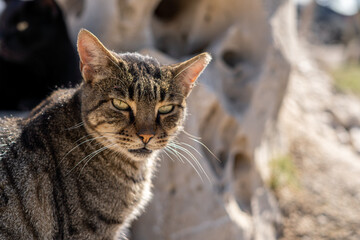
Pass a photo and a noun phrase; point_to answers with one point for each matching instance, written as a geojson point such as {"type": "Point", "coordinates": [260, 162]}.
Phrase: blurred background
{"type": "Point", "coordinates": [272, 142]}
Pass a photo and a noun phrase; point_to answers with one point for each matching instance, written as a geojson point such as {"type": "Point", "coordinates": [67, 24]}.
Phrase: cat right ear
{"type": "Point", "coordinates": [187, 72]}
{"type": "Point", "coordinates": [93, 56]}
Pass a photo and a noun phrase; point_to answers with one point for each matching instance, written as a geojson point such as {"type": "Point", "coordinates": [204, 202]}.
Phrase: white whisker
{"type": "Point", "coordinates": [202, 144]}
{"type": "Point", "coordinates": [182, 143]}
{"type": "Point", "coordinates": [193, 157]}
{"type": "Point", "coordinates": [80, 124]}
{"type": "Point", "coordinates": [190, 135]}
{"type": "Point", "coordinates": [175, 153]}
{"type": "Point", "coordinates": [165, 151]}
{"type": "Point", "coordinates": [78, 145]}
{"type": "Point", "coordinates": [192, 165]}
{"type": "Point", "coordinates": [94, 154]}
{"type": "Point", "coordinates": [89, 156]}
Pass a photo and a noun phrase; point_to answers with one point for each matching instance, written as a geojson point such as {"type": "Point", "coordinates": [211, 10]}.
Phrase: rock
{"type": "Point", "coordinates": [233, 110]}
{"type": "Point", "coordinates": [355, 138]}
{"type": "Point", "coordinates": [346, 110]}
{"type": "Point", "coordinates": [343, 135]}
{"type": "Point", "coordinates": [122, 25]}
{"type": "Point", "coordinates": [183, 27]}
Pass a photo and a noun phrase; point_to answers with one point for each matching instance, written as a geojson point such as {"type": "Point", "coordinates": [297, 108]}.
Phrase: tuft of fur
{"type": "Point", "coordinates": [78, 167]}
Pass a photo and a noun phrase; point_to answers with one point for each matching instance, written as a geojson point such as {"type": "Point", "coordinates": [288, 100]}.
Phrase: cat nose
{"type": "Point", "coordinates": [145, 138]}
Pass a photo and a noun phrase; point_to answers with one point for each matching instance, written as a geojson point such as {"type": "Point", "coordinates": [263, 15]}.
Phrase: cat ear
{"type": "Point", "coordinates": [51, 5]}
{"type": "Point", "coordinates": [93, 56]}
{"type": "Point", "coordinates": [187, 72]}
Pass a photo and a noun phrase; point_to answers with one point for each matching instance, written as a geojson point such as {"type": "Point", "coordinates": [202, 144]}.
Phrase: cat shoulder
{"type": "Point", "coordinates": [57, 98]}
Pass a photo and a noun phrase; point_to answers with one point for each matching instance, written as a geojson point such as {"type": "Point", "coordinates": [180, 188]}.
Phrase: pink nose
{"type": "Point", "coordinates": [146, 137]}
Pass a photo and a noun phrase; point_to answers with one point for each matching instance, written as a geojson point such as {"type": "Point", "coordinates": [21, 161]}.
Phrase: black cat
{"type": "Point", "coordinates": [36, 54]}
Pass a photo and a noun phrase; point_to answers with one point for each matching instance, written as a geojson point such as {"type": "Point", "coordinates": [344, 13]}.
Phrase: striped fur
{"type": "Point", "coordinates": [76, 168]}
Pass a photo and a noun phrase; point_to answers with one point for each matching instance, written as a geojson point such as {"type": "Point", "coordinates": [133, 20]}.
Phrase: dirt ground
{"type": "Point", "coordinates": [325, 206]}
{"type": "Point", "coordinates": [326, 202]}
{"type": "Point", "coordinates": [319, 126]}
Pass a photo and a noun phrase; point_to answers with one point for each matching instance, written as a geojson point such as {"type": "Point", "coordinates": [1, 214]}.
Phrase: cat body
{"type": "Point", "coordinates": [36, 54]}
{"type": "Point", "coordinates": [56, 202]}
{"type": "Point", "coordinates": [80, 166]}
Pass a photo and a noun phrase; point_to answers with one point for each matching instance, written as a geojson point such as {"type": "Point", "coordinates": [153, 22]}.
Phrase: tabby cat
{"type": "Point", "coordinates": [80, 166]}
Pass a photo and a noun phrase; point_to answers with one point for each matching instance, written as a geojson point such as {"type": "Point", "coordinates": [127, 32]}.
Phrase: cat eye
{"type": "Point", "coordinates": [22, 26]}
{"type": "Point", "coordinates": [120, 105]}
{"type": "Point", "coordinates": [166, 109]}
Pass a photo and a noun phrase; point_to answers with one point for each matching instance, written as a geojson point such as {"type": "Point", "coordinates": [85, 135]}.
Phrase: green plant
{"type": "Point", "coordinates": [347, 78]}
{"type": "Point", "coordinates": [283, 172]}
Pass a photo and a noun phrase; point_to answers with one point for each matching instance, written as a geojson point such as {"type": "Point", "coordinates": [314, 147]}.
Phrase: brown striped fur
{"type": "Point", "coordinates": [77, 167]}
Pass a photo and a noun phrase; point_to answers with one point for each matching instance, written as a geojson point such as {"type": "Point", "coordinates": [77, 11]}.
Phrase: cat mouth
{"type": "Point", "coordinates": [141, 151]}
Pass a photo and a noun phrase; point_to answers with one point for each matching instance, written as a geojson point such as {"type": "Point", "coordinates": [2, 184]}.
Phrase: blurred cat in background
{"type": "Point", "coordinates": [36, 54]}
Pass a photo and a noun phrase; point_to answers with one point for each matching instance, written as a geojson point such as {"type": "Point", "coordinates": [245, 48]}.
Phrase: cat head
{"type": "Point", "coordinates": [27, 27]}
{"type": "Point", "coordinates": [130, 102]}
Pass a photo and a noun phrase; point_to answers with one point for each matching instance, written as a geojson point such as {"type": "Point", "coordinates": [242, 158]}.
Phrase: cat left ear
{"type": "Point", "coordinates": [93, 56]}
{"type": "Point", "coordinates": [187, 72]}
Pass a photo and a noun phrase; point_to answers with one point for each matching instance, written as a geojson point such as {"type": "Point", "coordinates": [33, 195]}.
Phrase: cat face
{"type": "Point", "coordinates": [26, 27]}
{"type": "Point", "coordinates": [131, 103]}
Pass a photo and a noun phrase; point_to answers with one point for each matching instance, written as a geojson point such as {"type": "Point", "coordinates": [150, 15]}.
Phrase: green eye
{"type": "Point", "coordinates": [118, 104]}
{"type": "Point", "coordinates": [166, 109]}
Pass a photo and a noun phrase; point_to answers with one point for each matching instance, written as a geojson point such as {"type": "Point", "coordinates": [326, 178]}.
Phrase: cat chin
{"type": "Point", "coordinates": [135, 154]}
{"type": "Point", "coordinates": [138, 155]}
